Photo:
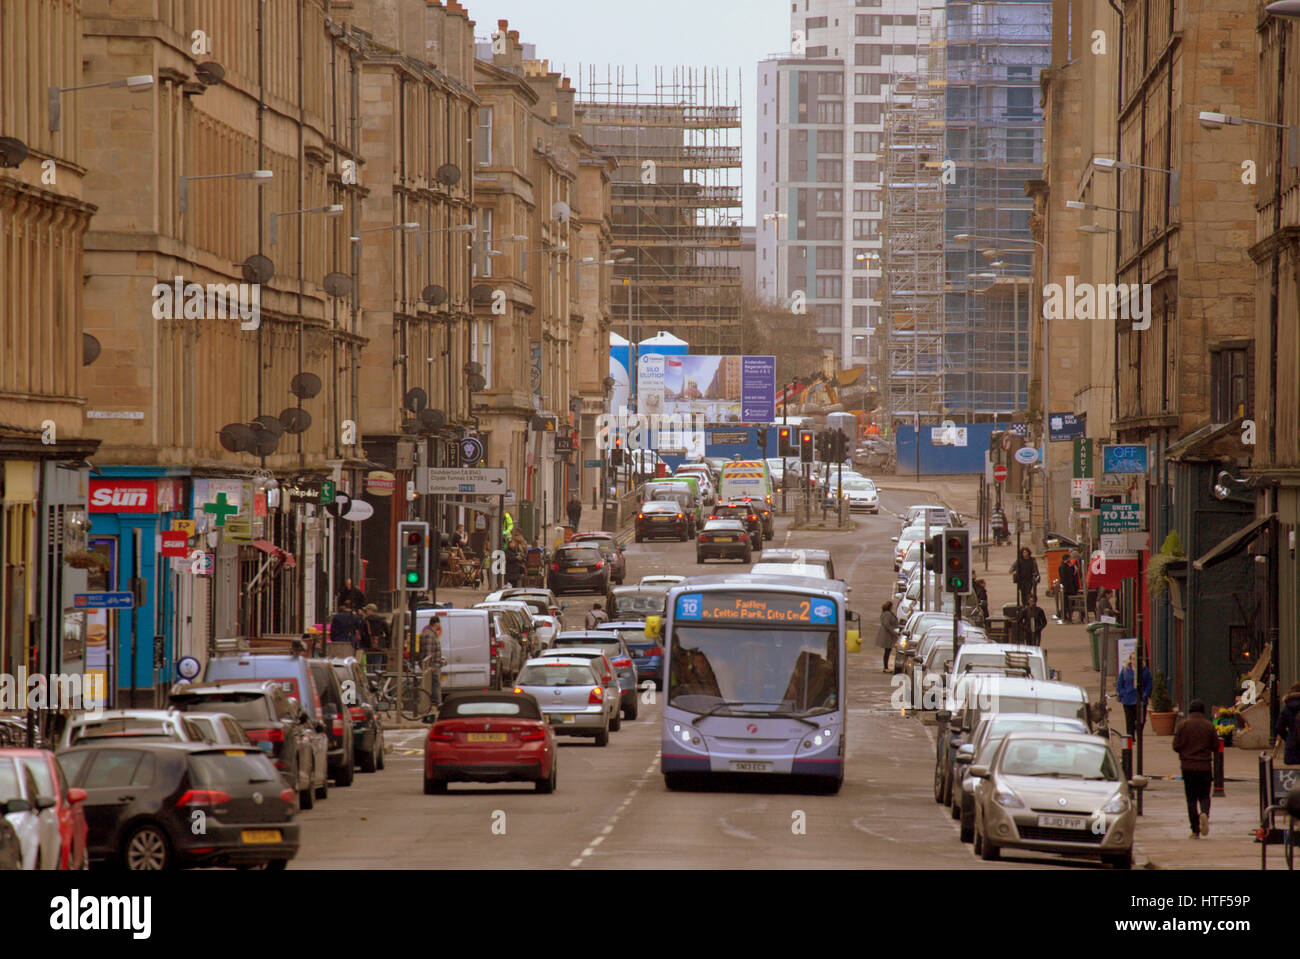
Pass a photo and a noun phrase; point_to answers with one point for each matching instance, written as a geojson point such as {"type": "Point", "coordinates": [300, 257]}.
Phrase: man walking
{"type": "Point", "coordinates": [1126, 687]}
{"type": "Point", "coordinates": [353, 596]}
{"type": "Point", "coordinates": [346, 626]}
{"type": "Point", "coordinates": [1068, 576]}
{"type": "Point", "coordinates": [574, 509]}
{"type": "Point", "coordinates": [1031, 622]}
{"type": "Point", "coordinates": [1196, 742]}
{"type": "Point", "coordinates": [376, 632]}
{"type": "Point", "coordinates": [1024, 571]}
{"type": "Point", "coordinates": [431, 647]}
{"type": "Point", "coordinates": [596, 616]}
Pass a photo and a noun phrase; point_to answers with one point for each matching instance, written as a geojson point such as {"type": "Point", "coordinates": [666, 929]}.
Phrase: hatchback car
{"type": "Point", "coordinates": [815, 563]}
{"type": "Point", "coordinates": [219, 728]}
{"type": "Point", "coordinates": [578, 567]}
{"type": "Point", "coordinates": [157, 724]}
{"type": "Point", "coordinates": [489, 736]}
{"type": "Point", "coordinates": [660, 518]}
{"type": "Point", "coordinates": [1055, 792]}
{"type": "Point", "coordinates": [30, 812]}
{"type": "Point", "coordinates": [67, 809]}
{"type": "Point", "coordinates": [660, 579]}
{"type": "Point", "coordinates": [608, 543]}
{"type": "Point", "coordinates": [570, 695]}
{"type": "Point", "coordinates": [605, 675]}
{"type": "Point", "coordinates": [860, 494]}
{"type": "Point", "coordinates": [764, 512]}
{"type": "Point", "coordinates": [367, 721]}
{"type": "Point", "coordinates": [637, 602]}
{"type": "Point", "coordinates": [144, 800]}
{"type": "Point", "coordinates": [647, 654]}
{"type": "Point", "coordinates": [746, 514]}
{"type": "Point", "coordinates": [723, 539]}
{"type": "Point", "coordinates": [619, 656]}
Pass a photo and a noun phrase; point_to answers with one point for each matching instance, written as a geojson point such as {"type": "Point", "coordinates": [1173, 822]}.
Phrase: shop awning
{"type": "Point", "coordinates": [1227, 548]}
{"type": "Point", "coordinates": [276, 552]}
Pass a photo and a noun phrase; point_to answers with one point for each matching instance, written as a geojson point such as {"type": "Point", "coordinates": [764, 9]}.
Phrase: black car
{"type": "Point", "coordinates": [610, 550]}
{"type": "Point", "coordinates": [746, 513]}
{"type": "Point", "coordinates": [367, 721]}
{"type": "Point", "coordinates": [160, 806]}
{"type": "Point", "coordinates": [338, 723]}
{"type": "Point", "coordinates": [636, 602]}
{"type": "Point", "coordinates": [578, 568]}
{"type": "Point", "coordinates": [724, 539]}
{"type": "Point", "coordinates": [764, 513]}
{"type": "Point", "coordinates": [659, 518]}
{"type": "Point", "coordinates": [269, 717]}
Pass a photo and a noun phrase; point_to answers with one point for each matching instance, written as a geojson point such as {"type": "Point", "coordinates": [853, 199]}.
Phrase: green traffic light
{"type": "Point", "coordinates": [412, 577]}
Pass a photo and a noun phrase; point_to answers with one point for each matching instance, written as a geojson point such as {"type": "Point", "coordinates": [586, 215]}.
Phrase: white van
{"type": "Point", "coordinates": [466, 647]}
{"type": "Point", "coordinates": [1000, 659]}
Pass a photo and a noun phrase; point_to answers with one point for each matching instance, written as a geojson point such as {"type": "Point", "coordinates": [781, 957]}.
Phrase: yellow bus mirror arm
{"type": "Point", "coordinates": [853, 641]}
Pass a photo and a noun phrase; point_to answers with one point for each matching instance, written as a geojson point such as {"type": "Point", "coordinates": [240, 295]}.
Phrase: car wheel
{"type": "Point", "coordinates": [368, 762]}
{"type": "Point", "coordinates": [630, 712]}
{"type": "Point", "coordinates": [938, 783]}
{"type": "Point", "coordinates": [306, 798]}
{"type": "Point", "coordinates": [748, 557]}
{"type": "Point", "coordinates": [277, 865]}
{"type": "Point", "coordinates": [1120, 860]}
{"type": "Point", "coordinates": [323, 790]}
{"type": "Point", "coordinates": [988, 852]}
{"type": "Point", "coordinates": [699, 558]}
{"type": "Point", "coordinates": [345, 774]}
{"type": "Point", "coordinates": [379, 754]}
{"type": "Point", "coordinates": [976, 839]}
{"type": "Point", "coordinates": [966, 826]}
{"type": "Point", "coordinates": [434, 787]}
{"type": "Point", "coordinates": [946, 799]}
{"type": "Point", "coordinates": [616, 722]}
{"type": "Point", "coordinates": [547, 785]}
{"type": "Point", "coordinates": [954, 806]}
{"type": "Point", "coordinates": [602, 737]}
{"type": "Point", "coordinates": [147, 849]}
{"type": "Point", "coordinates": [638, 537]}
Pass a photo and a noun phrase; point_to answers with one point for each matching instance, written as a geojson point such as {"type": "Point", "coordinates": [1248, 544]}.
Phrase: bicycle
{"type": "Point", "coordinates": [407, 697]}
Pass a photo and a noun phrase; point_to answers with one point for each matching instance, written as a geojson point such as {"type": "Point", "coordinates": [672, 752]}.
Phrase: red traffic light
{"type": "Point", "coordinates": [413, 539]}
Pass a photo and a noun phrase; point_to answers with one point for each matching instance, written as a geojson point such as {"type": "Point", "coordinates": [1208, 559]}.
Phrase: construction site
{"type": "Point", "coordinates": [676, 200]}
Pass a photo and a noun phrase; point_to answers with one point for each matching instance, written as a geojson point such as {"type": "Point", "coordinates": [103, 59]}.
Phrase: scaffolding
{"type": "Point", "coordinates": [675, 200]}
{"type": "Point", "coordinates": [912, 227]}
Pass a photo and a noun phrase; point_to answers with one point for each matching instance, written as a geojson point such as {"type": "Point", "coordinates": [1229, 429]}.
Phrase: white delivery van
{"type": "Point", "coordinates": [743, 478]}
{"type": "Point", "coordinates": [466, 647]}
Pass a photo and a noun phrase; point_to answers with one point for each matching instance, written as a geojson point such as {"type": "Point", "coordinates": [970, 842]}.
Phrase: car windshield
{"type": "Point", "coordinates": [231, 768]}
{"type": "Point", "coordinates": [852, 484]}
{"type": "Point", "coordinates": [561, 674]}
{"type": "Point", "coordinates": [610, 647]}
{"type": "Point", "coordinates": [577, 557]}
{"type": "Point", "coordinates": [594, 540]}
{"type": "Point", "coordinates": [730, 525]}
{"type": "Point", "coordinates": [1000, 726]}
{"type": "Point", "coordinates": [1064, 760]}
{"type": "Point", "coordinates": [250, 707]}
{"type": "Point", "coordinates": [125, 728]}
{"type": "Point", "coordinates": [739, 671]}
{"type": "Point", "coordinates": [652, 603]}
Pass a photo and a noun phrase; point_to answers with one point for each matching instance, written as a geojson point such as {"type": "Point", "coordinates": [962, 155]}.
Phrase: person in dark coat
{"type": "Point", "coordinates": [1025, 574]}
{"type": "Point", "coordinates": [1286, 725]}
{"type": "Point", "coordinates": [1031, 622]}
{"type": "Point", "coordinates": [346, 626]}
{"type": "Point", "coordinates": [1196, 742]}
{"type": "Point", "coordinates": [1106, 607]}
{"type": "Point", "coordinates": [1068, 575]}
{"type": "Point", "coordinates": [351, 595]}
{"type": "Point", "coordinates": [887, 635]}
{"type": "Point", "coordinates": [982, 596]}
{"type": "Point", "coordinates": [574, 509]}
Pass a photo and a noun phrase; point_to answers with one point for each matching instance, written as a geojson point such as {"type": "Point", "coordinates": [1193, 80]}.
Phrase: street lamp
{"type": "Point", "coordinates": [334, 209]}
{"type": "Point", "coordinates": [1284, 8]}
{"type": "Point", "coordinates": [1108, 163]}
{"type": "Point", "coordinates": [409, 226]}
{"type": "Point", "coordinates": [136, 84]}
{"type": "Point", "coordinates": [1217, 121]}
{"type": "Point", "coordinates": [1094, 228]}
{"type": "Point", "coordinates": [1079, 205]}
{"type": "Point", "coordinates": [260, 176]}
{"type": "Point", "coordinates": [775, 216]}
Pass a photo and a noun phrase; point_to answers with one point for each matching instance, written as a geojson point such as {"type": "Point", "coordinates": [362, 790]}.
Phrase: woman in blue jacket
{"type": "Point", "coordinates": [1126, 687]}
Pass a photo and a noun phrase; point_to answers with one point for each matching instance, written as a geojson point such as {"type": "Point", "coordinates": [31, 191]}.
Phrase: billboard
{"type": "Point", "coordinates": [722, 389]}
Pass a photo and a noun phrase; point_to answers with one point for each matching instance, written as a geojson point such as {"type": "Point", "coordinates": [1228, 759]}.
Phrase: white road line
{"type": "Point", "coordinates": [609, 825]}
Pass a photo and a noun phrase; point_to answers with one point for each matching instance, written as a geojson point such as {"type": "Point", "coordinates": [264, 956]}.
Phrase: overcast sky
{"type": "Point", "coordinates": [732, 35]}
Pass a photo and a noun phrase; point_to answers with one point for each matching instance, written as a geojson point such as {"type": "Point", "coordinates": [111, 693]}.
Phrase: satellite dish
{"type": "Point", "coordinates": [295, 420]}
{"type": "Point", "coordinates": [264, 441]}
{"type": "Point", "coordinates": [434, 295]}
{"type": "Point", "coordinates": [266, 421]}
{"type": "Point", "coordinates": [305, 385]}
{"type": "Point", "coordinates": [481, 294]}
{"type": "Point", "coordinates": [432, 419]}
{"type": "Point", "coordinates": [12, 152]}
{"type": "Point", "coordinates": [448, 174]}
{"type": "Point", "coordinates": [560, 211]}
{"type": "Point", "coordinates": [475, 382]}
{"type": "Point", "coordinates": [415, 400]}
{"type": "Point", "coordinates": [359, 510]}
{"type": "Point", "coordinates": [472, 368]}
{"type": "Point", "coordinates": [411, 426]}
{"type": "Point", "coordinates": [337, 285]}
{"type": "Point", "coordinates": [258, 269]}
{"type": "Point", "coordinates": [236, 437]}
{"type": "Point", "coordinates": [89, 349]}
{"type": "Point", "coordinates": [210, 73]}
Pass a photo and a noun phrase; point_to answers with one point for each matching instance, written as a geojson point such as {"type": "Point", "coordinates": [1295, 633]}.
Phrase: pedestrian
{"type": "Point", "coordinates": [516, 559]}
{"type": "Point", "coordinates": [1000, 532]}
{"type": "Point", "coordinates": [460, 539]}
{"type": "Point", "coordinates": [355, 598]}
{"type": "Point", "coordinates": [507, 530]}
{"type": "Point", "coordinates": [1126, 687]}
{"type": "Point", "coordinates": [1287, 718]}
{"type": "Point", "coordinates": [346, 626]}
{"type": "Point", "coordinates": [1024, 573]}
{"type": "Point", "coordinates": [376, 632]}
{"type": "Point", "coordinates": [574, 509]}
{"type": "Point", "coordinates": [1031, 622]}
{"type": "Point", "coordinates": [596, 616]}
{"type": "Point", "coordinates": [1068, 576]}
{"type": "Point", "coordinates": [1106, 607]}
{"type": "Point", "coordinates": [887, 635]}
{"type": "Point", "coordinates": [431, 647]}
{"type": "Point", "coordinates": [982, 595]}
{"type": "Point", "coordinates": [1196, 742]}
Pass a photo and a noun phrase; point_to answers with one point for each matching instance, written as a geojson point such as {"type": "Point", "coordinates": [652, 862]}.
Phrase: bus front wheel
{"type": "Point", "coordinates": [676, 781]}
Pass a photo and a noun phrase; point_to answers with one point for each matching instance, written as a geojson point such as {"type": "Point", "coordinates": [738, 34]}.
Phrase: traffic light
{"type": "Point", "coordinates": [785, 442]}
{"type": "Point", "coordinates": [805, 446]}
{"type": "Point", "coordinates": [933, 549]}
{"type": "Point", "coordinates": [762, 440]}
{"type": "Point", "coordinates": [839, 447]}
{"type": "Point", "coordinates": [616, 454]}
{"type": "Point", "coordinates": [956, 560]}
{"type": "Point", "coordinates": [413, 555]}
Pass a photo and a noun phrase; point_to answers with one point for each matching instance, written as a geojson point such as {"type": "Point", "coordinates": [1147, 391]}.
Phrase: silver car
{"type": "Point", "coordinates": [605, 675]}
{"type": "Point", "coordinates": [1055, 792]}
{"type": "Point", "coordinates": [612, 645]}
{"type": "Point", "coordinates": [570, 695]}
{"type": "Point", "coordinates": [115, 724]}
{"type": "Point", "coordinates": [220, 729]}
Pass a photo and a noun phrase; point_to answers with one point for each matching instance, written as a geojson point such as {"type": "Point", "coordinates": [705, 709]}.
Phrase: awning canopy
{"type": "Point", "coordinates": [1227, 548]}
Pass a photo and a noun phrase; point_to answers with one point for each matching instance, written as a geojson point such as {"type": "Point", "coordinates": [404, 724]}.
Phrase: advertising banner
{"type": "Point", "coordinates": [721, 389]}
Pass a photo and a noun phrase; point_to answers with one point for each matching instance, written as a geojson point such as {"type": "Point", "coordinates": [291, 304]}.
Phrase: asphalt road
{"type": "Point", "coordinates": [611, 809]}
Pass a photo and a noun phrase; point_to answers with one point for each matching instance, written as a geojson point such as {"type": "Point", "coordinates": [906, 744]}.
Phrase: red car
{"type": "Point", "coordinates": [488, 736]}
{"type": "Point", "coordinates": [50, 781]}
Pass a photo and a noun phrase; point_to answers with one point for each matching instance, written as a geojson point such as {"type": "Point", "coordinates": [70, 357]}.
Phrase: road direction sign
{"type": "Point", "coordinates": [123, 599]}
{"type": "Point", "coordinates": [1000, 473]}
{"type": "Point", "coordinates": [450, 482]}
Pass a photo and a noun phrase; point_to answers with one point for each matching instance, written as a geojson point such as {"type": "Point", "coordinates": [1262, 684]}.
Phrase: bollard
{"type": "Point", "coordinates": [1218, 770]}
{"type": "Point", "coordinates": [1126, 758]}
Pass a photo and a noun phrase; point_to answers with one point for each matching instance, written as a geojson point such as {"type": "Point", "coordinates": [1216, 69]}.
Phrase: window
{"type": "Point", "coordinates": [1020, 103]}
{"type": "Point", "coordinates": [866, 141]}
{"type": "Point", "coordinates": [830, 111]}
{"type": "Point", "coordinates": [866, 171]}
{"type": "Point", "coordinates": [866, 25]}
{"type": "Point", "coordinates": [826, 314]}
{"type": "Point", "coordinates": [815, 53]}
{"type": "Point", "coordinates": [830, 171]}
{"type": "Point", "coordinates": [483, 144]}
{"type": "Point", "coordinates": [830, 141]}
{"type": "Point", "coordinates": [866, 55]}
{"type": "Point", "coordinates": [483, 243]}
{"type": "Point", "coordinates": [829, 287]}
{"type": "Point", "coordinates": [860, 346]}
{"type": "Point", "coordinates": [1020, 145]}
{"type": "Point", "coordinates": [828, 257]}
{"type": "Point", "coordinates": [861, 288]}
{"type": "Point", "coordinates": [830, 201]}
{"type": "Point", "coordinates": [1229, 384]}
{"type": "Point", "coordinates": [868, 84]}
{"type": "Point", "coordinates": [112, 768]}
{"type": "Point", "coordinates": [863, 229]}
{"type": "Point", "coordinates": [830, 84]}
{"type": "Point", "coordinates": [904, 20]}
{"type": "Point", "coordinates": [813, 23]}
{"type": "Point", "coordinates": [868, 3]}
{"type": "Point", "coordinates": [480, 348]}
{"type": "Point", "coordinates": [829, 228]}
{"type": "Point", "coordinates": [866, 112]}
{"type": "Point", "coordinates": [866, 201]}
{"type": "Point", "coordinates": [862, 317]}
{"type": "Point", "coordinates": [903, 50]}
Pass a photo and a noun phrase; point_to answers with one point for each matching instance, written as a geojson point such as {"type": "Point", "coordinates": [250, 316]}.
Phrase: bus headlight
{"type": "Point", "coordinates": [823, 738]}
{"type": "Point", "coordinates": [687, 735]}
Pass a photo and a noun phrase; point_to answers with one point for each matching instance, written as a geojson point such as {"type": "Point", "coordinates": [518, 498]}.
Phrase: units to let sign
{"type": "Point", "coordinates": [441, 481]}
{"type": "Point", "coordinates": [1120, 518]}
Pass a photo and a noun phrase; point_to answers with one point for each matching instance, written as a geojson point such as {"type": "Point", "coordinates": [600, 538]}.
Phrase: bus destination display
{"type": "Point", "coordinates": [775, 608]}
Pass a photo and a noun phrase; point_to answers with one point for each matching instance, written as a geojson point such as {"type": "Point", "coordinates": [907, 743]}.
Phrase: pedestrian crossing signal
{"type": "Point", "coordinates": [413, 555]}
{"type": "Point", "coordinates": [956, 560]}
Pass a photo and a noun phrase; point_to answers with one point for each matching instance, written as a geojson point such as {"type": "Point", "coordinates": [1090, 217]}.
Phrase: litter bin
{"type": "Point", "coordinates": [1101, 640]}
{"type": "Point", "coordinates": [1011, 612]}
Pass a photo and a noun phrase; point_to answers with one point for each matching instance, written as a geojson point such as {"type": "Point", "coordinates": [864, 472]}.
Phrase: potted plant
{"type": "Point", "coordinates": [1226, 722]}
{"type": "Point", "coordinates": [1162, 713]}
{"type": "Point", "coordinates": [1171, 554]}
{"type": "Point", "coordinates": [86, 559]}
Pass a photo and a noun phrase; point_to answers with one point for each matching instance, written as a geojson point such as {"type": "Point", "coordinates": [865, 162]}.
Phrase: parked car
{"type": "Point", "coordinates": [293, 674]}
{"type": "Point", "coordinates": [647, 654]}
{"type": "Point", "coordinates": [50, 781]}
{"type": "Point", "coordinates": [337, 720]}
{"type": "Point", "coordinates": [940, 516]}
{"type": "Point", "coordinates": [515, 633]}
{"type": "Point", "coordinates": [723, 539]}
{"type": "Point", "coordinates": [746, 514]}
{"type": "Point", "coordinates": [637, 602]}
{"type": "Point", "coordinates": [620, 657]}
{"type": "Point", "coordinates": [542, 600]}
{"type": "Point", "coordinates": [219, 728]}
{"type": "Point", "coordinates": [1055, 792]}
{"type": "Point", "coordinates": [144, 799]}
{"type": "Point", "coordinates": [611, 551]}
{"type": "Point", "coordinates": [11, 847]}
{"type": "Point", "coordinates": [31, 812]}
{"type": "Point", "coordinates": [164, 724]}
{"type": "Point", "coordinates": [487, 736]}
{"type": "Point", "coordinates": [570, 695]}
{"type": "Point", "coordinates": [612, 696]}
{"type": "Point", "coordinates": [579, 567]}
{"type": "Point", "coordinates": [367, 721]}
{"type": "Point", "coordinates": [660, 518]}
{"type": "Point", "coordinates": [274, 722]}
{"type": "Point", "coordinates": [1001, 659]}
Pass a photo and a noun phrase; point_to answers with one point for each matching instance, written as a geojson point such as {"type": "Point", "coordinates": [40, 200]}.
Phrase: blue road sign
{"type": "Point", "coordinates": [115, 600]}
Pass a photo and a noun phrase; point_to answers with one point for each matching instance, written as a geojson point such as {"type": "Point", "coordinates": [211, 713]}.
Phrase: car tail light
{"type": "Point", "coordinates": [640, 515]}
{"type": "Point", "coordinates": [203, 797]}
{"type": "Point", "coordinates": [555, 567]}
{"type": "Point", "coordinates": [441, 735]}
{"type": "Point", "coordinates": [358, 713]}
{"type": "Point", "coordinates": [655, 651]}
{"type": "Point", "coordinates": [703, 538]}
{"type": "Point", "coordinates": [527, 735]}
{"type": "Point", "coordinates": [607, 678]}
{"type": "Point", "coordinates": [336, 727]}
{"type": "Point", "coordinates": [622, 663]}
{"type": "Point", "coordinates": [744, 537]}
{"type": "Point", "coordinates": [597, 695]}
{"type": "Point", "coordinates": [681, 516]}
{"type": "Point", "coordinates": [289, 796]}
{"type": "Point", "coordinates": [752, 517]}
{"type": "Point", "coordinates": [600, 564]}
{"type": "Point", "coordinates": [275, 735]}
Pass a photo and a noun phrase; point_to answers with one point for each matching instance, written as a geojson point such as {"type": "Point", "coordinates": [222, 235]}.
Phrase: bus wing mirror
{"type": "Point", "coordinates": [653, 627]}
{"type": "Point", "coordinates": [853, 641]}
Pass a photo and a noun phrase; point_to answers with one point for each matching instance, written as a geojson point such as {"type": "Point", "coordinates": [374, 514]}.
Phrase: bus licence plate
{"type": "Point", "coordinates": [749, 766]}
{"type": "Point", "coordinates": [1062, 822]}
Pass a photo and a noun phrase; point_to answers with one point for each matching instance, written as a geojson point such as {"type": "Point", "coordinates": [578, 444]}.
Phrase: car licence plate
{"type": "Point", "coordinates": [561, 718]}
{"type": "Point", "coordinates": [722, 539]}
{"type": "Point", "coordinates": [262, 835]}
{"type": "Point", "coordinates": [1063, 822]}
{"type": "Point", "coordinates": [486, 737]}
{"type": "Point", "coordinates": [577, 569]}
{"type": "Point", "coordinates": [748, 766]}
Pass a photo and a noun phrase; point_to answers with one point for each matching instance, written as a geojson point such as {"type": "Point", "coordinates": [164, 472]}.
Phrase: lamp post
{"type": "Point", "coordinates": [259, 176]}
{"type": "Point", "coordinates": [334, 209]}
{"type": "Point", "coordinates": [136, 84]}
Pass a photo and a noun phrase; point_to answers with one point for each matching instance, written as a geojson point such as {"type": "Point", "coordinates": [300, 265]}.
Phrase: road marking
{"type": "Point", "coordinates": [609, 825]}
